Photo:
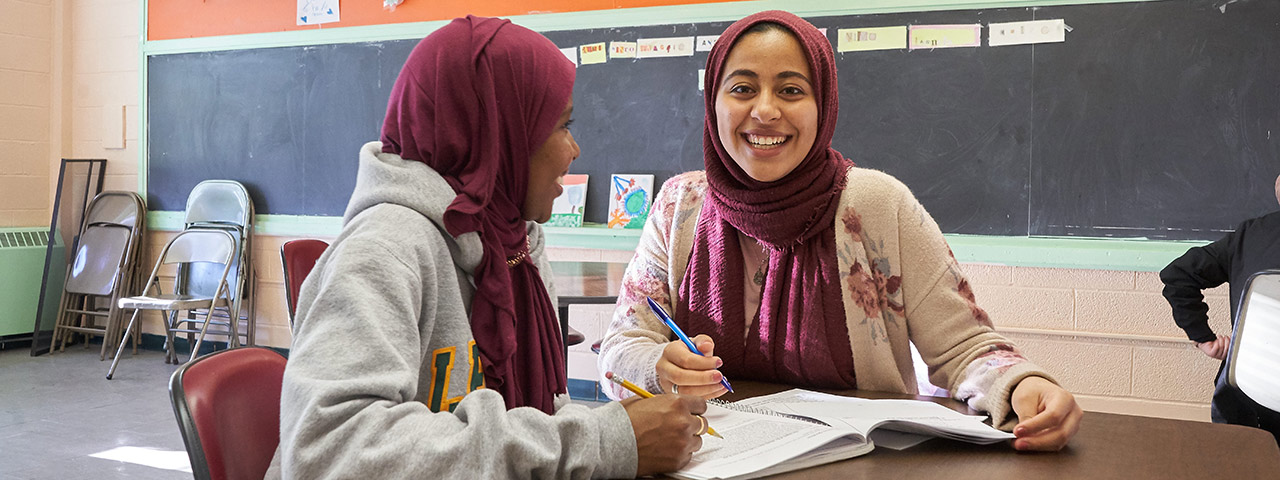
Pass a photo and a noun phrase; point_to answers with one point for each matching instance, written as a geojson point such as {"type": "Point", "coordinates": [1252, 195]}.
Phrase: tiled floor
{"type": "Point", "coordinates": [57, 410]}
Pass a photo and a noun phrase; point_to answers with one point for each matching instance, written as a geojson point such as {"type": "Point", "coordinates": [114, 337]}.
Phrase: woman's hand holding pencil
{"type": "Point", "coordinates": [706, 428]}
{"type": "Point", "coordinates": [668, 428]}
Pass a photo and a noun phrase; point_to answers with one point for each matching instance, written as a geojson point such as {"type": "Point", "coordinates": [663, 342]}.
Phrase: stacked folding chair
{"type": "Point", "coordinates": [221, 205]}
{"type": "Point", "coordinates": [103, 270]}
{"type": "Point", "coordinates": [212, 248]}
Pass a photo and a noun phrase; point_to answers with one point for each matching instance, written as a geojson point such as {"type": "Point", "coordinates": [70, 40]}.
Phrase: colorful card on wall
{"type": "Point", "coordinates": [664, 47]}
{"type": "Point", "coordinates": [622, 49]}
{"type": "Point", "coordinates": [592, 53]}
{"type": "Point", "coordinates": [315, 12]}
{"type": "Point", "coordinates": [944, 36]}
{"type": "Point", "coordinates": [629, 198]}
{"type": "Point", "coordinates": [871, 38]}
{"type": "Point", "coordinates": [568, 208]}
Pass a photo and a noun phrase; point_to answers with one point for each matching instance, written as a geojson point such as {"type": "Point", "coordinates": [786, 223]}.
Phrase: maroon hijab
{"type": "Point", "coordinates": [474, 101]}
{"type": "Point", "coordinates": [799, 335]}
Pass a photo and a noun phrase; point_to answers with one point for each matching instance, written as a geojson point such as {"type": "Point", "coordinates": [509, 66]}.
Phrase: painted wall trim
{"type": "Point", "coordinates": [627, 17]}
{"type": "Point", "coordinates": [1052, 252]}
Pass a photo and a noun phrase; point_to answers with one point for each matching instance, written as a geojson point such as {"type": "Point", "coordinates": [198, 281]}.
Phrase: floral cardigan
{"type": "Point", "coordinates": [901, 286]}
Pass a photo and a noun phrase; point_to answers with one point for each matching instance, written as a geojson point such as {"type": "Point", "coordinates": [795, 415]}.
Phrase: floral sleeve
{"type": "Point", "coordinates": [635, 338]}
{"type": "Point", "coordinates": [954, 335]}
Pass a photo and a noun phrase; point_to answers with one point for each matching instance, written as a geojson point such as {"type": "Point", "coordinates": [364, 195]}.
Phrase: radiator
{"type": "Point", "coordinates": [21, 269]}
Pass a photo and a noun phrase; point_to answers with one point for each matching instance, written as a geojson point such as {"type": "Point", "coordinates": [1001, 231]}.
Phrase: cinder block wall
{"type": "Point", "coordinates": [26, 111]}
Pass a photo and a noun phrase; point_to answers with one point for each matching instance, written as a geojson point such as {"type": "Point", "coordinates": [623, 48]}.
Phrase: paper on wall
{"type": "Point", "coordinates": [315, 12]}
{"type": "Point", "coordinates": [570, 53]}
{"type": "Point", "coordinates": [944, 36]}
{"type": "Point", "coordinates": [1022, 33]}
{"type": "Point", "coordinates": [592, 53]}
{"type": "Point", "coordinates": [705, 42]}
{"type": "Point", "coordinates": [622, 49]}
{"type": "Point", "coordinates": [873, 38]}
{"type": "Point", "coordinates": [664, 47]}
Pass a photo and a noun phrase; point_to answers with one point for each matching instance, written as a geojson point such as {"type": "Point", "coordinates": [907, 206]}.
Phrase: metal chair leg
{"type": "Point", "coordinates": [127, 329]}
{"type": "Point", "coordinates": [195, 350]}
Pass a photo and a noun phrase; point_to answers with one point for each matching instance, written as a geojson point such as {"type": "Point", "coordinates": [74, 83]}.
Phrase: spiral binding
{"type": "Point", "coordinates": [738, 407]}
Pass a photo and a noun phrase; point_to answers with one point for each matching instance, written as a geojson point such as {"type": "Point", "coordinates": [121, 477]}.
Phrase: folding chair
{"type": "Point", "coordinates": [186, 248]}
{"type": "Point", "coordinates": [104, 269]}
{"type": "Point", "coordinates": [228, 408]}
{"type": "Point", "coordinates": [1253, 365]}
{"type": "Point", "coordinates": [224, 205]}
{"type": "Point", "coordinates": [298, 257]}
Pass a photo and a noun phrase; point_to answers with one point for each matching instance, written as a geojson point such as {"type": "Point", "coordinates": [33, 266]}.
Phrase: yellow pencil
{"type": "Point", "coordinates": [645, 394]}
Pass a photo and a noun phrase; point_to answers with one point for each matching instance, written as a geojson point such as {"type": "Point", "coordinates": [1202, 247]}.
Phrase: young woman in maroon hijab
{"type": "Point", "coordinates": [794, 266]}
{"type": "Point", "coordinates": [426, 343]}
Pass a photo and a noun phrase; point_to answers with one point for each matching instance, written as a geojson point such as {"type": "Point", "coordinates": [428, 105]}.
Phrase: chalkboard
{"type": "Point", "coordinates": [1154, 119]}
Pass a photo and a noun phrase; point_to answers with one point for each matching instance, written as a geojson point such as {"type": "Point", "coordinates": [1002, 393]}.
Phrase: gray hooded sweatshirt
{"type": "Point", "coordinates": [381, 379]}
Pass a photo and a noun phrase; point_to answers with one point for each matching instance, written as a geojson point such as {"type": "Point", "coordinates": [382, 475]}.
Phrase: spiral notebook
{"type": "Point", "coordinates": [798, 429]}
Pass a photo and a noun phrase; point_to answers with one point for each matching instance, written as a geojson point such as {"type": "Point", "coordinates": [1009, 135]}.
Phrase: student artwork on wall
{"type": "Point", "coordinates": [629, 197]}
{"type": "Point", "coordinates": [568, 208]}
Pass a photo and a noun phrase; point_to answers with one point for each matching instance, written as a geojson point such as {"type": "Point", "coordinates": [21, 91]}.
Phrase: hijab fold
{"type": "Point", "coordinates": [474, 101]}
{"type": "Point", "coordinates": [799, 335]}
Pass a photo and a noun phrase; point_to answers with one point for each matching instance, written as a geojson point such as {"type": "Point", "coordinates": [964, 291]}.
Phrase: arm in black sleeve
{"type": "Point", "coordinates": [1185, 277]}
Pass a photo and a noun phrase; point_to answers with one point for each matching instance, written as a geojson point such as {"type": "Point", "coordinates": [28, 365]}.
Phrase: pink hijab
{"type": "Point", "coordinates": [799, 335]}
{"type": "Point", "coordinates": [474, 101]}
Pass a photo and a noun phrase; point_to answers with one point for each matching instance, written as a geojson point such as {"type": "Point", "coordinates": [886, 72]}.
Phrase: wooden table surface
{"type": "Point", "coordinates": [1107, 446]}
{"type": "Point", "coordinates": [587, 279]}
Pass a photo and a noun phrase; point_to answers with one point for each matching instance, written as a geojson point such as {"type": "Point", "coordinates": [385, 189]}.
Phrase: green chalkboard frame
{"type": "Point", "coordinates": [1053, 252]}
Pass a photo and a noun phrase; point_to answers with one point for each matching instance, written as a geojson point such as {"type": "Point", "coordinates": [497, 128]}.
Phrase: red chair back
{"type": "Point", "coordinates": [298, 257]}
{"type": "Point", "coordinates": [228, 408]}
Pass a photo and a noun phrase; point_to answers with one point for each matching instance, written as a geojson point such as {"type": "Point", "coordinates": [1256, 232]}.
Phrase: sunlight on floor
{"type": "Point", "coordinates": [151, 457]}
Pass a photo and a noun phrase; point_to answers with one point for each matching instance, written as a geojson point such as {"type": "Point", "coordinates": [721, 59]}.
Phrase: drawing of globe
{"type": "Point", "coordinates": [635, 202]}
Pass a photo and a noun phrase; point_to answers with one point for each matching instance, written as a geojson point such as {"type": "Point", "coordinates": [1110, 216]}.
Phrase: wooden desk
{"type": "Point", "coordinates": [1107, 446]}
{"type": "Point", "coordinates": [587, 279]}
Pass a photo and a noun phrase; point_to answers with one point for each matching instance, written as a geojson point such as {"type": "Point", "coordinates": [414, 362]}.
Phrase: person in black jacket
{"type": "Point", "coordinates": [1254, 246]}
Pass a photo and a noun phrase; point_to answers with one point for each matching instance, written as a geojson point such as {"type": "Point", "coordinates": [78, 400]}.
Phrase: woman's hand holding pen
{"type": "Point", "coordinates": [680, 370]}
{"type": "Point", "coordinates": [667, 431]}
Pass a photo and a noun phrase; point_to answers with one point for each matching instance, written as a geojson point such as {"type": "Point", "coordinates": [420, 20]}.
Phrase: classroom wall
{"type": "Point", "coordinates": [26, 101]}
{"type": "Point", "coordinates": [1107, 335]}
{"type": "Point", "coordinates": [104, 38]}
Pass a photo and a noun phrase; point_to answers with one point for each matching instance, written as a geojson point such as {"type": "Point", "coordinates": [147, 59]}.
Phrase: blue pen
{"type": "Point", "coordinates": [662, 315]}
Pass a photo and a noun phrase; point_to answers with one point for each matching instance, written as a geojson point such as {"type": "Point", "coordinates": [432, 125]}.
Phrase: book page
{"type": "Point", "coordinates": [864, 415]}
{"type": "Point", "coordinates": [756, 444]}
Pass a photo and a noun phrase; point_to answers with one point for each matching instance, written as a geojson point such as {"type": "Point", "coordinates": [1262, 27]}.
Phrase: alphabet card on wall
{"type": "Point", "coordinates": [629, 198]}
{"type": "Point", "coordinates": [568, 208]}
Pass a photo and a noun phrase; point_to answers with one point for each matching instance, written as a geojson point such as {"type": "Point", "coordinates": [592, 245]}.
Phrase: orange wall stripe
{"type": "Point", "coordinates": [173, 19]}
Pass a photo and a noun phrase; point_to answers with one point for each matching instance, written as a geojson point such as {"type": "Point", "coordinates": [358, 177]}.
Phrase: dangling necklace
{"type": "Point", "coordinates": [763, 270]}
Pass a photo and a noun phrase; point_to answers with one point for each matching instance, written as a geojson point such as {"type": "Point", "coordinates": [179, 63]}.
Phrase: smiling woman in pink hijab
{"type": "Point", "coordinates": [426, 343]}
{"type": "Point", "coordinates": [797, 267]}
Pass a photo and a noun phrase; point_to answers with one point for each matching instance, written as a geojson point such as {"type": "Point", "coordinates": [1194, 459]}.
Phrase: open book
{"type": "Point", "coordinates": [798, 428]}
